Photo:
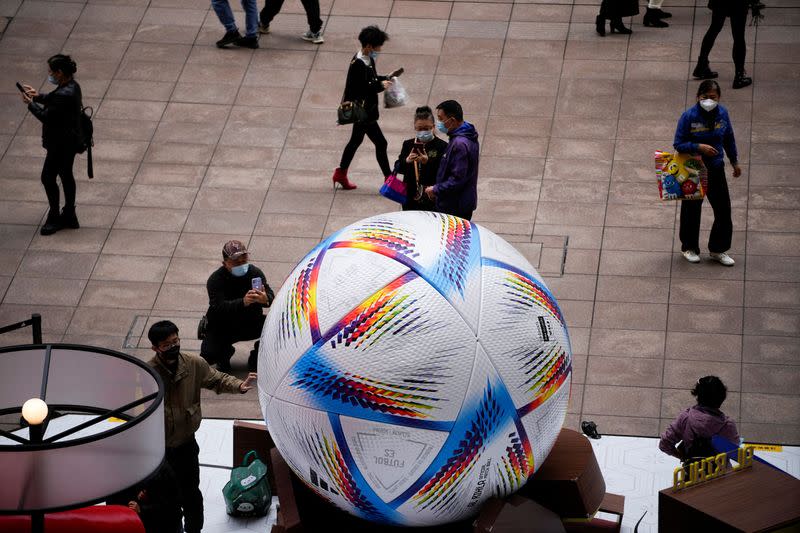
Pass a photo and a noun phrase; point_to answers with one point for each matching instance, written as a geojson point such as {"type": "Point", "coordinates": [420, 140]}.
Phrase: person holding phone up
{"type": "Point", "coordinates": [59, 112]}
{"type": "Point", "coordinates": [237, 295]}
{"type": "Point", "coordinates": [419, 160]}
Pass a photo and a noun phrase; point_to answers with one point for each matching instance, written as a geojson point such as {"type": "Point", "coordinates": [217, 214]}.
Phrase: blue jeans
{"type": "Point", "coordinates": [225, 15]}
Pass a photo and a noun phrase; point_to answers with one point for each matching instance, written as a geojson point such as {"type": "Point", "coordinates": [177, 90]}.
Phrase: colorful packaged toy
{"type": "Point", "coordinates": [680, 176]}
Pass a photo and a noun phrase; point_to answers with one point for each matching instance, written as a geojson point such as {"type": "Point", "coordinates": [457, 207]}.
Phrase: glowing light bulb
{"type": "Point", "coordinates": [34, 411]}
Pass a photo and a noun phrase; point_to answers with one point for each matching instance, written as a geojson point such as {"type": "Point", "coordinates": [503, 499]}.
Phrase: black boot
{"type": "Point", "coordinates": [660, 14]}
{"type": "Point", "coordinates": [600, 25]}
{"type": "Point", "coordinates": [230, 37]}
{"type": "Point", "coordinates": [68, 218]}
{"type": "Point", "coordinates": [741, 80]}
{"type": "Point", "coordinates": [703, 71]}
{"type": "Point", "coordinates": [652, 20]}
{"type": "Point", "coordinates": [52, 224]}
{"type": "Point", "coordinates": [619, 27]}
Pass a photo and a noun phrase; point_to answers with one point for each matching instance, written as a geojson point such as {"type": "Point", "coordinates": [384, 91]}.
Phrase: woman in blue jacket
{"type": "Point", "coordinates": [706, 129]}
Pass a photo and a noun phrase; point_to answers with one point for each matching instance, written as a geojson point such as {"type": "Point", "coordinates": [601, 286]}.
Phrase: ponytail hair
{"type": "Point", "coordinates": [62, 63]}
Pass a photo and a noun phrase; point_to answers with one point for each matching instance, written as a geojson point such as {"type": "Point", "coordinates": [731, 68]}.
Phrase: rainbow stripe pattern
{"type": "Point", "coordinates": [384, 233]}
{"type": "Point", "coordinates": [334, 386]}
{"type": "Point", "coordinates": [460, 241]}
{"type": "Point", "coordinates": [515, 466]}
{"type": "Point", "coordinates": [524, 291]}
{"type": "Point", "coordinates": [327, 455]}
{"type": "Point", "coordinates": [299, 305]}
{"type": "Point", "coordinates": [389, 310]}
{"type": "Point", "coordinates": [547, 379]}
{"type": "Point", "coordinates": [437, 494]}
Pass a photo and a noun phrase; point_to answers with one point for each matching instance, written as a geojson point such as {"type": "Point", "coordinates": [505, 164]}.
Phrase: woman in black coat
{"type": "Point", "coordinates": [59, 112]}
{"type": "Point", "coordinates": [419, 160]}
{"type": "Point", "coordinates": [736, 10]}
{"type": "Point", "coordinates": [361, 88]}
{"type": "Point", "coordinates": [614, 10]}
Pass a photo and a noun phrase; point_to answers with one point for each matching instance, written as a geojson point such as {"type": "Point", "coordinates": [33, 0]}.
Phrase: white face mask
{"type": "Point", "coordinates": [708, 104]}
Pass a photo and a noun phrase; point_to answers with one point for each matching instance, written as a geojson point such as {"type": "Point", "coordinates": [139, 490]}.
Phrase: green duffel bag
{"type": "Point", "coordinates": [248, 493]}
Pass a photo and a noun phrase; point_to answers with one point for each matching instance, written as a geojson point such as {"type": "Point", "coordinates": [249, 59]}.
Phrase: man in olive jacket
{"type": "Point", "coordinates": [184, 375]}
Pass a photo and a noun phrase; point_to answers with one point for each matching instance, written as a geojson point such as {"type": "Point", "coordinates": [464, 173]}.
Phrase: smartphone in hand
{"type": "Point", "coordinates": [21, 88]}
{"type": "Point", "coordinates": [257, 284]}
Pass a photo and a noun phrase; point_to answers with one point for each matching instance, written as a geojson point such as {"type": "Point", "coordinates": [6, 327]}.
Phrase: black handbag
{"type": "Point", "coordinates": [351, 113]}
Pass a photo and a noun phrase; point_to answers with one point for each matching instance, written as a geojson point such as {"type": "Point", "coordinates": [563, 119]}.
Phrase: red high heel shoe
{"type": "Point", "coordinates": [340, 177]}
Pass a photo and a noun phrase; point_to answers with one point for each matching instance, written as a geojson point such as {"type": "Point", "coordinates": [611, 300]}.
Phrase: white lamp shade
{"type": "Point", "coordinates": [87, 466]}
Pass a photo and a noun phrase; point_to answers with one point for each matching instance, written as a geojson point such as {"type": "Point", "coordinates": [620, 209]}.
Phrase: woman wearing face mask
{"type": "Point", "coordinates": [706, 129]}
{"type": "Point", "coordinates": [419, 159]}
{"type": "Point", "coordinates": [59, 111]}
{"type": "Point", "coordinates": [362, 87]}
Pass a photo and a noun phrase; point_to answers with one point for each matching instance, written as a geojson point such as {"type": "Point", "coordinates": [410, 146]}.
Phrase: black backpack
{"type": "Point", "coordinates": [85, 129]}
{"type": "Point", "coordinates": [86, 137]}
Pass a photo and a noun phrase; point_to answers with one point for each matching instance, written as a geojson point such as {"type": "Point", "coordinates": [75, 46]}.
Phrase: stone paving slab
{"type": "Point", "coordinates": [197, 145]}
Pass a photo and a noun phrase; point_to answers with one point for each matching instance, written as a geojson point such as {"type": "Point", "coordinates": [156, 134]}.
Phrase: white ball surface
{"type": "Point", "coordinates": [413, 365]}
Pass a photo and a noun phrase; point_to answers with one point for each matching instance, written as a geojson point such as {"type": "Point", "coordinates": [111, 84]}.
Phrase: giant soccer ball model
{"type": "Point", "coordinates": [413, 365]}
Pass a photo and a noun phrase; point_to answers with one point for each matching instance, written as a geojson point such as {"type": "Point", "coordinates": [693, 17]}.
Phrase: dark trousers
{"type": "Point", "coordinates": [373, 131]}
{"type": "Point", "coordinates": [722, 229]}
{"type": "Point", "coordinates": [59, 163]}
{"type": "Point", "coordinates": [184, 461]}
{"type": "Point", "coordinates": [218, 348]}
{"type": "Point", "coordinates": [738, 15]}
{"type": "Point", "coordinates": [273, 7]}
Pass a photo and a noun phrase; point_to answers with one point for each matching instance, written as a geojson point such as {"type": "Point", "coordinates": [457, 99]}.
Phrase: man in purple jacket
{"type": "Point", "coordinates": [456, 189]}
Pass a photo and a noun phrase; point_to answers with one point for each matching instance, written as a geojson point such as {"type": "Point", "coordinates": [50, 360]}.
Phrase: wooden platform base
{"type": "Point", "coordinates": [564, 494]}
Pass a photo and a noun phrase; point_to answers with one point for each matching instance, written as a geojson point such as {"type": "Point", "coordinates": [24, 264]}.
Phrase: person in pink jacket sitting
{"type": "Point", "coordinates": [688, 437]}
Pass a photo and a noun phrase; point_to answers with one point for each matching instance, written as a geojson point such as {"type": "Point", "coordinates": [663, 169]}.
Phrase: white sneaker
{"type": "Point", "coordinates": [722, 259]}
{"type": "Point", "coordinates": [263, 29]}
{"type": "Point", "coordinates": [690, 256]}
{"type": "Point", "coordinates": [315, 38]}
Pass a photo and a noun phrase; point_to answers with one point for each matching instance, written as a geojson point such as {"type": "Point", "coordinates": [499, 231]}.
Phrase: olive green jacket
{"type": "Point", "coordinates": [182, 414]}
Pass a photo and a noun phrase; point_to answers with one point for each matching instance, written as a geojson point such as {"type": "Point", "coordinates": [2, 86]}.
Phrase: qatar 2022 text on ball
{"type": "Point", "coordinates": [413, 365]}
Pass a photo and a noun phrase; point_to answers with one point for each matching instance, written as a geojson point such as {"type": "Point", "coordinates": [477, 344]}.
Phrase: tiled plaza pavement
{"type": "Point", "coordinates": [197, 145]}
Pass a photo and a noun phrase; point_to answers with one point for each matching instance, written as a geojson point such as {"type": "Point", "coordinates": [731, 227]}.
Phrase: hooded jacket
{"type": "Point", "coordinates": [697, 423]}
{"type": "Point", "coordinates": [457, 180]}
{"type": "Point", "coordinates": [59, 112]}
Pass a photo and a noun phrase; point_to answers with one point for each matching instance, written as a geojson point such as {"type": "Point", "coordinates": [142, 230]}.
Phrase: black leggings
{"type": "Point", "coordinates": [59, 163]}
{"type": "Point", "coordinates": [738, 15]}
{"type": "Point", "coordinates": [722, 229]}
{"type": "Point", "coordinates": [373, 131]}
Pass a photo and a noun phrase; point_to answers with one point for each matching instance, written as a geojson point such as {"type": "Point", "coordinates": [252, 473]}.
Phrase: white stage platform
{"type": "Point", "coordinates": [632, 466]}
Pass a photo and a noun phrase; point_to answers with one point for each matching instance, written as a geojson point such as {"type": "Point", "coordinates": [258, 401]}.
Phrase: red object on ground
{"type": "Point", "coordinates": [95, 519]}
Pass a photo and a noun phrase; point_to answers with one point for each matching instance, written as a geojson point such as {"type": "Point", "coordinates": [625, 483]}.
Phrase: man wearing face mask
{"type": "Point", "coordinates": [456, 189]}
{"type": "Point", "coordinates": [237, 295]}
{"type": "Point", "coordinates": [183, 376]}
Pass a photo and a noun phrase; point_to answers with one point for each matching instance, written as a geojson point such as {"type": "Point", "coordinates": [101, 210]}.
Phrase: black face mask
{"type": "Point", "coordinates": [171, 355]}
